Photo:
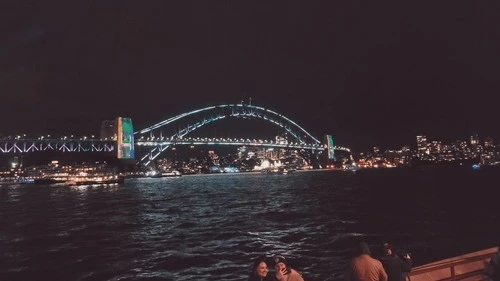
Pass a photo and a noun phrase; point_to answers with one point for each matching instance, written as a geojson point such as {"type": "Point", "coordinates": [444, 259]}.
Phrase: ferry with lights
{"type": "Point", "coordinates": [69, 175]}
{"type": "Point", "coordinates": [79, 180]}
{"type": "Point", "coordinates": [157, 174]}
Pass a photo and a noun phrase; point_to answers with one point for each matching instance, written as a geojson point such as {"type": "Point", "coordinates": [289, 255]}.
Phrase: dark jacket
{"type": "Point", "coordinates": [395, 267]}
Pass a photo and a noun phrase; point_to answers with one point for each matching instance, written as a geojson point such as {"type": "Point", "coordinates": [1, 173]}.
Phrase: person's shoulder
{"type": "Point", "coordinates": [296, 275]}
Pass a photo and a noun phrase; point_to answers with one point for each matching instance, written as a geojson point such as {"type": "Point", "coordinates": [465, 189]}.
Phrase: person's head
{"type": "Point", "coordinates": [279, 263]}
{"type": "Point", "coordinates": [387, 249]}
{"type": "Point", "coordinates": [363, 249]}
{"type": "Point", "coordinates": [259, 267]}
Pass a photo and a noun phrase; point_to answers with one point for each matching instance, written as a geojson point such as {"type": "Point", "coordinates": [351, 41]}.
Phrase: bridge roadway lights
{"type": "Point", "coordinates": [77, 145]}
{"type": "Point", "coordinates": [249, 144]}
{"type": "Point", "coordinates": [314, 147]}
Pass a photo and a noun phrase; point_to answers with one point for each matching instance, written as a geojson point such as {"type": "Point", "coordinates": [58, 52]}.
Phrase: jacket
{"type": "Point", "coordinates": [365, 268]}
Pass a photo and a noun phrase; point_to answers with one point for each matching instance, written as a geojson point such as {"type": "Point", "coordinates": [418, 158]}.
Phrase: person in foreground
{"type": "Point", "coordinates": [365, 268]}
{"type": "Point", "coordinates": [259, 270]}
{"type": "Point", "coordinates": [396, 267]}
{"type": "Point", "coordinates": [283, 272]}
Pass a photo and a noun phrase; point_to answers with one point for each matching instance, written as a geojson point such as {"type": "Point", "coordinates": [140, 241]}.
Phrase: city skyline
{"type": "Point", "coordinates": [479, 140]}
{"type": "Point", "coordinates": [430, 151]}
{"type": "Point", "coordinates": [370, 74]}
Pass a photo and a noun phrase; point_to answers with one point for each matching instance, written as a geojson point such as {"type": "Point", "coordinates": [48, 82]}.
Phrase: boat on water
{"type": "Point", "coordinates": [97, 181]}
{"type": "Point", "coordinates": [16, 180]}
{"type": "Point", "coordinates": [174, 173]}
{"type": "Point", "coordinates": [69, 175]}
{"type": "Point", "coordinates": [156, 174]}
{"type": "Point", "coordinates": [80, 180]}
{"type": "Point", "coordinates": [48, 181]}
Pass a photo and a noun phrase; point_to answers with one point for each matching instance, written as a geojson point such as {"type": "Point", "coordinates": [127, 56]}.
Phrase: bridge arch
{"type": "Point", "coordinates": [193, 120]}
{"type": "Point", "coordinates": [215, 113]}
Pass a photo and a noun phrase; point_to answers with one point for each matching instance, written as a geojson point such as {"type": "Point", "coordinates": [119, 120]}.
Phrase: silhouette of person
{"type": "Point", "coordinates": [395, 266]}
{"type": "Point", "coordinates": [365, 268]}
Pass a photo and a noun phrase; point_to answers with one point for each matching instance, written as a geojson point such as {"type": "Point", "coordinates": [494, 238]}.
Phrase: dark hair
{"type": "Point", "coordinates": [253, 272]}
{"type": "Point", "coordinates": [363, 248]}
{"type": "Point", "coordinates": [257, 261]}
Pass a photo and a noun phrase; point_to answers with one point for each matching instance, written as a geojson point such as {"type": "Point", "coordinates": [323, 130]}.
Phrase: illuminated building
{"type": "Point", "coordinates": [214, 157]}
{"type": "Point", "coordinates": [435, 147]}
{"type": "Point", "coordinates": [474, 139]}
{"type": "Point", "coordinates": [488, 142]}
{"type": "Point", "coordinates": [421, 144]}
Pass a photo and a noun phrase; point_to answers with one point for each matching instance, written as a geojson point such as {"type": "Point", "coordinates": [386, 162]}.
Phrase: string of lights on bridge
{"type": "Point", "coordinates": [24, 143]}
{"type": "Point", "coordinates": [154, 141]}
{"type": "Point", "coordinates": [50, 137]}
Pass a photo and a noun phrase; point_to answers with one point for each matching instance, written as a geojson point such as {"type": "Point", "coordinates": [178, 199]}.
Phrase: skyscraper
{"type": "Point", "coordinates": [421, 144]}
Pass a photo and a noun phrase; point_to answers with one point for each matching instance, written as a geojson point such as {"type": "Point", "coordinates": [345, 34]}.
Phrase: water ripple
{"type": "Point", "coordinates": [210, 227]}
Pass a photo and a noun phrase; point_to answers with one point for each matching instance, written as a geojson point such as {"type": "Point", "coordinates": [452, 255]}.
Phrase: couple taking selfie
{"type": "Point", "coordinates": [282, 271]}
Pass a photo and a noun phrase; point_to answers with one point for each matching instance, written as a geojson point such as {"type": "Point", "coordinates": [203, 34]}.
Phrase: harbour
{"type": "Point", "coordinates": [179, 141]}
{"type": "Point", "coordinates": [210, 226]}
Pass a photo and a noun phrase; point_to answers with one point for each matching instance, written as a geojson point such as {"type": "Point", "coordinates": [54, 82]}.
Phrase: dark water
{"type": "Point", "coordinates": [210, 227]}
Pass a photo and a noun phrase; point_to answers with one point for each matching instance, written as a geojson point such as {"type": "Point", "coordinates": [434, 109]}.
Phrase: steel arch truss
{"type": "Point", "coordinates": [190, 121]}
{"type": "Point", "coordinates": [26, 145]}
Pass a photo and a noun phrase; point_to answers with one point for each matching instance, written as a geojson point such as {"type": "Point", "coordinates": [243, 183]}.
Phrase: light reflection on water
{"type": "Point", "coordinates": [210, 227]}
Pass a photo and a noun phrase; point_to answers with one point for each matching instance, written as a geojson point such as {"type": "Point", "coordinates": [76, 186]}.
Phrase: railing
{"type": "Point", "coordinates": [467, 267]}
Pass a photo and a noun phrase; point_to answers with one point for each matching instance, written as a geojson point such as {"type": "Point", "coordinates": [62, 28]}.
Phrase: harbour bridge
{"type": "Point", "coordinates": [175, 131]}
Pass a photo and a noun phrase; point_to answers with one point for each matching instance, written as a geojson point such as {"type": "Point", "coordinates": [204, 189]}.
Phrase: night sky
{"type": "Point", "coordinates": [369, 74]}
